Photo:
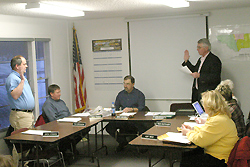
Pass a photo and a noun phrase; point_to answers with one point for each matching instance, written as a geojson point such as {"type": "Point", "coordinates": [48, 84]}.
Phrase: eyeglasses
{"type": "Point", "coordinates": [199, 47]}
{"type": "Point", "coordinates": [126, 83]}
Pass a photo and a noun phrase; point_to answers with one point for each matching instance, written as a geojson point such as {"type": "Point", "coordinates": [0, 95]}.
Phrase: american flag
{"type": "Point", "coordinates": [79, 81]}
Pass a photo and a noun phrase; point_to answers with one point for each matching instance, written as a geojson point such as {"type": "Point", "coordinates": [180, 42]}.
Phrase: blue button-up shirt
{"type": "Point", "coordinates": [26, 100]}
{"type": "Point", "coordinates": [134, 99]}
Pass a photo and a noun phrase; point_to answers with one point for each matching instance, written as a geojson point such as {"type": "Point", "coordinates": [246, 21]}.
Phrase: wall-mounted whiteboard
{"type": "Point", "coordinates": [157, 50]}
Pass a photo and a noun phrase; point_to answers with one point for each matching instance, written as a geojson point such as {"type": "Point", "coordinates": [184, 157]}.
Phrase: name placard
{"type": "Point", "coordinates": [79, 124]}
{"type": "Point", "coordinates": [163, 116]}
{"type": "Point", "coordinates": [121, 117]}
{"type": "Point", "coordinates": [158, 123]}
{"type": "Point", "coordinates": [95, 116]}
{"type": "Point", "coordinates": [50, 134]}
{"type": "Point", "coordinates": [147, 136]}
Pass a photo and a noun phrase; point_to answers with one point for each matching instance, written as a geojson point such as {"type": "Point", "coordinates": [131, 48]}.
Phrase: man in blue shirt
{"type": "Point", "coordinates": [20, 96]}
{"type": "Point", "coordinates": [129, 100]}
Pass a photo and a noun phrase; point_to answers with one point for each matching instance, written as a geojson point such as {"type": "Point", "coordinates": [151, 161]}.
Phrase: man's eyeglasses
{"type": "Point", "coordinates": [126, 83]}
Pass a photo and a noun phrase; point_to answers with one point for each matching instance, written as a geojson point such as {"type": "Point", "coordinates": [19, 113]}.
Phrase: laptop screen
{"type": "Point", "coordinates": [198, 108]}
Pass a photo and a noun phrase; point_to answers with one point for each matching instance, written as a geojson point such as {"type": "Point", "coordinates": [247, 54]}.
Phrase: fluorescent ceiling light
{"type": "Point", "coordinates": [176, 3]}
{"type": "Point", "coordinates": [53, 9]}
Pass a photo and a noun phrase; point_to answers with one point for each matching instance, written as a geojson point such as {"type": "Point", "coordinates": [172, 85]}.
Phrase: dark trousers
{"type": "Point", "coordinates": [112, 127]}
{"type": "Point", "coordinates": [196, 96]}
{"type": "Point", "coordinates": [197, 158]}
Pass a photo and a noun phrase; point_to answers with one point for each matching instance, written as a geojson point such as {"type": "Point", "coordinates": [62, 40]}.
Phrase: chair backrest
{"type": "Point", "coordinates": [182, 108]}
{"type": "Point", "coordinates": [240, 154]}
{"type": "Point", "coordinates": [40, 121]}
{"type": "Point", "coordinates": [146, 108]}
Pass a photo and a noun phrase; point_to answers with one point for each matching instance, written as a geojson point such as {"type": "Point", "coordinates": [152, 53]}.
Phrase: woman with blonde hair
{"type": "Point", "coordinates": [215, 139]}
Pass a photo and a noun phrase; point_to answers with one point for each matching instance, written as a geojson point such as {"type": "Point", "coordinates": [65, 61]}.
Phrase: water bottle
{"type": "Point", "coordinates": [113, 108]}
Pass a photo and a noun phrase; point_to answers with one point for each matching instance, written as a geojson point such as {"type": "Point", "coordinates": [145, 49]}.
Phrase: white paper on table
{"type": "Point", "coordinates": [69, 119]}
{"type": "Point", "coordinates": [177, 137]}
{"type": "Point", "coordinates": [84, 114]}
{"type": "Point", "coordinates": [185, 69]}
{"type": "Point", "coordinates": [117, 112]}
{"type": "Point", "coordinates": [35, 132]}
{"type": "Point", "coordinates": [193, 124]}
{"type": "Point", "coordinates": [152, 113]}
{"type": "Point", "coordinates": [168, 113]}
{"type": "Point", "coordinates": [192, 118]}
{"type": "Point", "coordinates": [128, 114]}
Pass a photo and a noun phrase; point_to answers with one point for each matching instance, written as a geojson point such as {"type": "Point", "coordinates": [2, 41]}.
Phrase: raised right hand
{"type": "Point", "coordinates": [186, 55]}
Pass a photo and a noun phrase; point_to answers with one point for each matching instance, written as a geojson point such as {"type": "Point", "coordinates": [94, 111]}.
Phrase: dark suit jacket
{"type": "Point", "coordinates": [210, 73]}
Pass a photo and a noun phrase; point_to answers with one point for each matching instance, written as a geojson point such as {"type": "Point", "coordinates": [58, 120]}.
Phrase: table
{"type": "Point", "coordinates": [139, 116]}
{"type": "Point", "coordinates": [173, 149]}
{"type": "Point", "coordinates": [65, 129]}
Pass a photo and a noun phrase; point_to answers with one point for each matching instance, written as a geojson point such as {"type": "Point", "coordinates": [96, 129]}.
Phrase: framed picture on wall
{"type": "Point", "coordinates": [107, 45]}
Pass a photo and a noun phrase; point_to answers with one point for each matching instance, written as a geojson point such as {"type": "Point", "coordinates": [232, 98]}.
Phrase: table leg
{"type": "Point", "coordinates": [149, 158]}
{"type": "Point", "coordinates": [37, 156]}
{"type": "Point", "coordinates": [21, 147]}
{"type": "Point", "coordinates": [96, 137]}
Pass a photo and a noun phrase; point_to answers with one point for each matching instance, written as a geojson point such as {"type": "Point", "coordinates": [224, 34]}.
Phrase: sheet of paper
{"type": "Point", "coordinates": [177, 137]}
{"type": "Point", "coordinates": [152, 113]}
{"type": "Point", "coordinates": [128, 114]}
{"type": "Point", "coordinates": [192, 118]}
{"type": "Point", "coordinates": [69, 119]}
{"type": "Point", "coordinates": [35, 132]}
{"type": "Point", "coordinates": [185, 69]}
{"type": "Point", "coordinates": [107, 109]}
{"type": "Point", "coordinates": [168, 113]}
{"type": "Point", "coordinates": [117, 112]}
{"type": "Point", "coordinates": [84, 114]}
{"type": "Point", "coordinates": [192, 124]}
{"type": "Point", "coordinates": [159, 113]}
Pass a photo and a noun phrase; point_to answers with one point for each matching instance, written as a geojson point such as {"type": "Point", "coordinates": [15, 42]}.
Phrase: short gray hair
{"type": "Point", "coordinates": [205, 43]}
{"type": "Point", "coordinates": [229, 83]}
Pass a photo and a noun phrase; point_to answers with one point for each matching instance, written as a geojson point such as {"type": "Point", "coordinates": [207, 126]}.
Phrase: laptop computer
{"type": "Point", "coordinates": [198, 108]}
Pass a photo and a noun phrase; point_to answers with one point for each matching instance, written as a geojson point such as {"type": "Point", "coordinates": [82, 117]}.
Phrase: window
{"type": "Point", "coordinates": [42, 48]}
{"type": "Point", "coordinates": [12, 47]}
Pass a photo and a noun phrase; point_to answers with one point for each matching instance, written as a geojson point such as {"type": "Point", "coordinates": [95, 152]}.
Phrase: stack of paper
{"type": "Point", "coordinates": [84, 114]}
{"type": "Point", "coordinates": [69, 119]}
{"type": "Point", "coordinates": [175, 137]}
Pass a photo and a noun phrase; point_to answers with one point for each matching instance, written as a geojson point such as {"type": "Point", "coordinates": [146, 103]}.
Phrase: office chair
{"type": "Point", "coordinates": [40, 121]}
{"type": "Point", "coordinates": [182, 109]}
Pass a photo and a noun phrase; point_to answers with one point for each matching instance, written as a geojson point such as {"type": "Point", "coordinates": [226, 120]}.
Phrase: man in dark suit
{"type": "Point", "coordinates": [206, 72]}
